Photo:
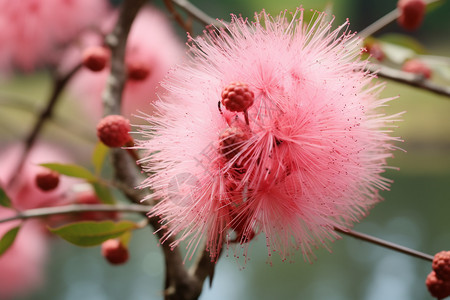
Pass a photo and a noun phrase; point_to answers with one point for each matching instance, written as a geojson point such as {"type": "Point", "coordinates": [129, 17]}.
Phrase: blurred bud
{"type": "Point", "coordinates": [115, 252]}
{"type": "Point", "coordinates": [47, 180]}
{"type": "Point", "coordinates": [417, 67]}
{"type": "Point", "coordinates": [375, 50]}
{"type": "Point", "coordinates": [411, 14]}
{"type": "Point", "coordinates": [96, 58]}
{"type": "Point", "coordinates": [137, 71]}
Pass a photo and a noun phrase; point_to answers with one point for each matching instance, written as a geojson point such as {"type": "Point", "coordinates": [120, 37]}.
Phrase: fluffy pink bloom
{"type": "Point", "coordinates": [32, 32]}
{"type": "Point", "coordinates": [153, 43]}
{"type": "Point", "coordinates": [310, 159]}
{"type": "Point", "coordinates": [24, 192]}
{"type": "Point", "coordinates": [22, 264]}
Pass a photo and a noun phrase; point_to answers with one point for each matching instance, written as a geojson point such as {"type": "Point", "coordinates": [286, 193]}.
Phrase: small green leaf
{"type": "Point", "coordinates": [434, 5]}
{"type": "Point", "coordinates": [71, 170]}
{"type": "Point", "coordinates": [4, 199]}
{"type": "Point", "coordinates": [98, 157]}
{"type": "Point", "coordinates": [125, 238]}
{"type": "Point", "coordinates": [8, 239]}
{"type": "Point", "coordinates": [103, 193]}
{"type": "Point", "coordinates": [89, 233]}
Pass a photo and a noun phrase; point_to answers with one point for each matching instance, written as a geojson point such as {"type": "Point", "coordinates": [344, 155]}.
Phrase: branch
{"type": "Point", "coordinates": [185, 25]}
{"type": "Point", "coordinates": [117, 41]}
{"type": "Point", "coordinates": [178, 285]}
{"type": "Point", "coordinates": [58, 86]}
{"type": "Point", "coordinates": [76, 208]}
{"type": "Point", "coordinates": [410, 79]}
{"type": "Point", "coordinates": [197, 13]}
{"type": "Point", "coordinates": [386, 244]}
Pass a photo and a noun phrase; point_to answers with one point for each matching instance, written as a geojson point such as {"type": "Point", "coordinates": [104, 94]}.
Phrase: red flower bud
{"type": "Point", "coordinates": [95, 58]}
{"type": "Point", "coordinates": [114, 130]}
{"type": "Point", "coordinates": [47, 180]}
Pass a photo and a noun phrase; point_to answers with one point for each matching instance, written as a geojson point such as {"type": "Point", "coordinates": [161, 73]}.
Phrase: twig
{"type": "Point", "coordinates": [76, 208]}
{"type": "Point", "coordinates": [117, 41]}
{"type": "Point", "coordinates": [197, 13]}
{"type": "Point", "coordinates": [383, 22]}
{"type": "Point", "coordinates": [410, 79]}
{"type": "Point", "coordinates": [58, 86]}
{"type": "Point", "coordinates": [178, 18]}
{"type": "Point", "coordinates": [386, 244]}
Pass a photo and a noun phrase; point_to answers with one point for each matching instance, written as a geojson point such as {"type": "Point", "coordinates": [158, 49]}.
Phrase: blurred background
{"type": "Point", "coordinates": [415, 212]}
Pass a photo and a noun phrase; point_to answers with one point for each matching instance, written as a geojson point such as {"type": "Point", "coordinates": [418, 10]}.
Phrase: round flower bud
{"type": "Point", "coordinates": [113, 131]}
{"type": "Point", "coordinates": [441, 265]}
{"type": "Point", "coordinates": [95, 58]}
{"type": "Point", "coordinates": [47, 180]}
{"type": "Point", "coordinates": [231, 141]}
{"type": "Point", "coordinates": [437, 287]}
{"type": "Point", "coordinates": [417, 67]}
{"type": "Point", "coordinates": [137, 71]}
{"type": "Point", "coordinates": [115, 252]}
{"type": "Point", "coordinates": [411, 13]}
{"type": "Point", "coordinates": [237, 97]}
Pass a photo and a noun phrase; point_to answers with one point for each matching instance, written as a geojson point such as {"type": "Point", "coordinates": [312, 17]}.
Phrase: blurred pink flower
{"type": "Point", "coordinates": [33, 32]}
{"type": "Point", "coordinates": [152, 43]}
{"type": "Point", "coordinates": [311, 158]}
{"type": "Point", "coordinates": [22, 264]}
{"type": "Point", "coordinates": [24, 192]}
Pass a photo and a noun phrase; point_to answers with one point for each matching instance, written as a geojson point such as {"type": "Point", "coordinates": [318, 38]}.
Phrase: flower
{"type": "Point", "coordinates": [308, 155]}
{"type": "Point", "coordinates": [33, 32]}
{"type": "Point", "coordinates": [152, 46]}
{"type": "Point", "coordinates": [22, 264]}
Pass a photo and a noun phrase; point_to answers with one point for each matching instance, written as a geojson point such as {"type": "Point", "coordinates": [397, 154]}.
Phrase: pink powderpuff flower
{"type": "Point", "coordinates": [23, 263]}
{"type": "Point", "coordinates": [23, 191]}
{"type": "Point", "coordinates": [306, 157]}
{"type": "Point", "coordinates": [33, 32]}
{"type": "Point", "coordinates": [152, 43]}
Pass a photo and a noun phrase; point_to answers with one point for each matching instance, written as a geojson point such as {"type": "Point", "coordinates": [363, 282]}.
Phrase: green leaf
{"type": "Point", "coordinates": [103, 193]}
{"type": "Point", "coordinates": [98, 157]}
{"type": "Point", "coordinates": [4, 199]}
{"type": "Point", "coordinates": [89, 233]}
{"type": "Point", "coordinates": [125, 238]}
{"type": "Point", "coordinates": [71, 170]}
{"type": "Point", "coordinates": [435, 5]}
{"type": "Point", "coordinates": [8, 239]}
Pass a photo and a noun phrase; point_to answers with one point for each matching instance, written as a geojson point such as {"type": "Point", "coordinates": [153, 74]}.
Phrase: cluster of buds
{"type": "Point", "coordinates": [438, 281]}
{"type": "Point", "coordinates": [97, 58]}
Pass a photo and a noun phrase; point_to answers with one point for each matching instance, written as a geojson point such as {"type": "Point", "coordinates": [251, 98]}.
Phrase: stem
{"type": "Point", "coordinates": [383, 22]}
{"type": "Point", "coordinates": [178, 18]}
{"type": "Point", "coordinates": [197, 13]}
{"type": "Point", "coordinates": [410, 79]}
{"type": "Point", "coordinates": [385, 244]}
{"type": "Point", "coordinates": [58, 86]}
{"type": "Point", "coordinates": [76, 208]}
